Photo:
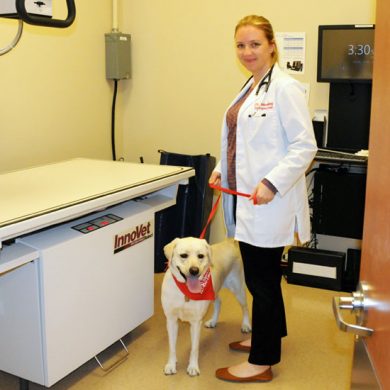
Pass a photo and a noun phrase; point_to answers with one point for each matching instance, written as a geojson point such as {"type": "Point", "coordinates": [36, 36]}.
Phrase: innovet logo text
{"type": "Point", "coordinates": [133, 236]}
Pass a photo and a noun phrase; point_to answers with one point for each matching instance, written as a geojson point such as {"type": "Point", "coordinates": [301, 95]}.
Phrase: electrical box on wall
{"type": "Point", "coordinates": [42, 7]}
{"type": "Point", "coordinates": [117, 56]}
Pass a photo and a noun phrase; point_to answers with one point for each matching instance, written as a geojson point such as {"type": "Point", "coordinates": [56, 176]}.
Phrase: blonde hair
{"type": "Point", "coordinates": [263, 24]}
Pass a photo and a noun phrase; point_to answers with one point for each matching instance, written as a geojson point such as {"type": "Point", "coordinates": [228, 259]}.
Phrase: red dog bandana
{"type": "Point", "coordinates": [198, 289]}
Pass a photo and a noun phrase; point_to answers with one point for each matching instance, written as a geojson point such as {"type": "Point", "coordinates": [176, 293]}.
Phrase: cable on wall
{"type": "Point", "coordinates": [117, 64]}
{"type": "Point", "coordinates": [15, 41]}
{"type": "Point", "coordinates": [113, 120]}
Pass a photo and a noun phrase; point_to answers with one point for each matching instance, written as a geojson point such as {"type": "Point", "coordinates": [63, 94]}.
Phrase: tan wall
{"type": "Point", "coordinates": [55, 102]}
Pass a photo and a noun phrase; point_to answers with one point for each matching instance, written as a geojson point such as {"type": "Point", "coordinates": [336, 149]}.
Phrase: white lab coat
{"type": "Point", "coordinates": [275, 140]}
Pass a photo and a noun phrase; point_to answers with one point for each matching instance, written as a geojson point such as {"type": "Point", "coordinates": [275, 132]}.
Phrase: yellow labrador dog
{"type": "Point", "coordinates": [187, 289]}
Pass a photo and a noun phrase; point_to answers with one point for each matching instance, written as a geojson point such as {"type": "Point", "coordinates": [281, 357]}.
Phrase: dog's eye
{"type": "Point", "coordinates": [200, 256]}
{"type": "Point", "coordinates": [183, 255]}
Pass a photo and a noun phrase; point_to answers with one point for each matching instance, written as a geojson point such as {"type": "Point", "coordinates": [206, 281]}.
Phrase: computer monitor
{"type": "Point", "coordinates": [345, 53]}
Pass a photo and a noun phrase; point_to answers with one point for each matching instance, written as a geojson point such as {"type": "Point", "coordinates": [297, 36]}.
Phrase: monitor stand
{"type": "Point", "coordinates": [349, 116]}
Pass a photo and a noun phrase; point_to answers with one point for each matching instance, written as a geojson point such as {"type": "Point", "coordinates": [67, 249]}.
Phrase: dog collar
{"type": "Point", "coordinates": [207, 290]}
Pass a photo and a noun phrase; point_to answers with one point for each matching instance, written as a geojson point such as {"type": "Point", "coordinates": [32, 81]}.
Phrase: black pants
{"type": "Point", "coordinates": [263, 276]}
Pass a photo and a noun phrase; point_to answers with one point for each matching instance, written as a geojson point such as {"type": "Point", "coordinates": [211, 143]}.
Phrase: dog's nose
{"type": "Point", "coordinates": [194, 271]}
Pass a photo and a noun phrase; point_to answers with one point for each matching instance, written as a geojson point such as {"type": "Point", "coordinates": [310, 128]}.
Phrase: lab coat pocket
{"type": "Point", "coordinates": [274, 219]}
{"type": "Point", "coordinates": [262, 127]}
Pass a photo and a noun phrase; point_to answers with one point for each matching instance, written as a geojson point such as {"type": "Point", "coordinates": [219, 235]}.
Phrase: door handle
{"type": "Point", "coordinates": [356, 303]}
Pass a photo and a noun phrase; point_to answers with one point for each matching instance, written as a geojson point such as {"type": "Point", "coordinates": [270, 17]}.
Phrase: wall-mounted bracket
{"type": "Point", "coordinates": [38, 20]}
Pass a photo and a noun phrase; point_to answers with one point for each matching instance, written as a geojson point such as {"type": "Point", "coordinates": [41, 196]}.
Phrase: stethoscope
{"type": "Point", "coordinates": [266, 81]}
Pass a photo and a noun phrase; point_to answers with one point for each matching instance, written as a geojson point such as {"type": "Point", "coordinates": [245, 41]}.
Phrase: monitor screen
{"type": "Point", "coordinates": [345, 53]}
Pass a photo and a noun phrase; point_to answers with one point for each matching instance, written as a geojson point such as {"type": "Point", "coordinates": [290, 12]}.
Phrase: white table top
{"type": "Point", "coordinates": [64, 190]}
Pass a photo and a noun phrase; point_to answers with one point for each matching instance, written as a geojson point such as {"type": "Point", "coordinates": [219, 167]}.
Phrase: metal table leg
{"type": "Point", "coordinates": [23, 384]}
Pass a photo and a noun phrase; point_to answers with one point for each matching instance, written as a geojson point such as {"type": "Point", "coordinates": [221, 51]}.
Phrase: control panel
{"type": "Point", "coordinates": [97, 223]}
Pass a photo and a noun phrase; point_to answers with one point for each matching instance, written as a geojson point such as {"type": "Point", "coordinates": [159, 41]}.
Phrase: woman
{"type": "Point", "coordinates": [267, 145]}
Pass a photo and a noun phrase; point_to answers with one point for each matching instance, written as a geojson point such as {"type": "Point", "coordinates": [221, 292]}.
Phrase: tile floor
{"type": "Point", "coordinates": [316, 355]}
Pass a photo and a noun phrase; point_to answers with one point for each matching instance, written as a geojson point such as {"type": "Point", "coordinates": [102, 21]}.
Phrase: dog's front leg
{"type": "Point", "coordinates": [193, 367]}
{"type": "Point", "coordinates": [172, 327]}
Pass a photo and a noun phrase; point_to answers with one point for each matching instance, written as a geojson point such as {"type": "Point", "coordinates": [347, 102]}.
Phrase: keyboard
{"type": "Point", "coordinates": [340, 157]}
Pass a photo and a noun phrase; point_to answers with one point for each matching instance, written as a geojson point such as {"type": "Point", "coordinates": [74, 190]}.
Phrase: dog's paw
{"type": "Point", "coordinates": [210, 324]}
{"type": "Point", "coordinates": [246, 328]}
{"type": "Point", "coordinates": [170, 369]}
{"type": "Point", "coordinates": [193, 370]}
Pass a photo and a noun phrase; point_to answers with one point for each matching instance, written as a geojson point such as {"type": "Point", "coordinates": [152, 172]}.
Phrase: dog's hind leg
{"type": "Point", "coordinates": [193, 366]}
{"type": "Point", "coordinates": [246, 323]}
{"type": "Point", "coordinates": [236, 284]}
{"type": "Point", "coordinates": [240, 294]}
{"type": "Point", "coordinates": [212, 322]}
{"type": "Point", "coordinates": [172, 328]}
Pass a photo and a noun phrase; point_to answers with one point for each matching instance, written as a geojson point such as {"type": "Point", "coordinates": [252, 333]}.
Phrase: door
{"type": "Point", "coordinates": [375, 266]}
{"type": "Point", "coordinates": [376, 235]}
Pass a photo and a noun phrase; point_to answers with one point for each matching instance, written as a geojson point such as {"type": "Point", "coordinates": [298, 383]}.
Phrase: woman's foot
{"type": "Point", "coordinates": [246, 369]}
{"type": "Point", "coordinates": [242, 346]}
{"type": "Point", "coordinates": [245, 372]}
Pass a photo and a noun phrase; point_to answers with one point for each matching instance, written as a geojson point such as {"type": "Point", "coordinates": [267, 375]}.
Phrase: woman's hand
{"type": "Point", "coordinates": [215, 178]}
{"type": "Point", "coordinates": [261, 195]}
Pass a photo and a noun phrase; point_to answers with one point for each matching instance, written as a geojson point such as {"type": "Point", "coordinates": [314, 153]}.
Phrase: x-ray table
{"type": "Point", "coordinates": [76, 260]}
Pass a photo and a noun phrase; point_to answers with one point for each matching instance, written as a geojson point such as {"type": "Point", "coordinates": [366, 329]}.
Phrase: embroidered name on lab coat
{"type": "Point", "coordinates": [264, 106]}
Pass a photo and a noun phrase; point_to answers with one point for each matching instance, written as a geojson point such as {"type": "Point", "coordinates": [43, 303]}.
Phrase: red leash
{"type": "Point", "coordinates": [229, 191]}
{"type": "Point", "coordinates": [214, 209]}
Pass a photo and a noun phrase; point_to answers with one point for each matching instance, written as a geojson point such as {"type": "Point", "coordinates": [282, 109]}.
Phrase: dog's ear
{"type": "Point", "coordinates": [168, 249]}
{"type": "Point", "coordinates": [208, 250]}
